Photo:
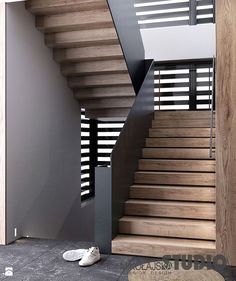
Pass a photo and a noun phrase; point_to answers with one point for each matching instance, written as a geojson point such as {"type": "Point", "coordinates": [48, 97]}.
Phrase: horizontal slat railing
{"type": "Point", "coordinates": [108, 133]}
{"type": "Point", "coordinates": [183, 85]}
{"type": "Point", "coordinates": [154, 14]}
{"type": "Point", "coordinates": [127, 150]}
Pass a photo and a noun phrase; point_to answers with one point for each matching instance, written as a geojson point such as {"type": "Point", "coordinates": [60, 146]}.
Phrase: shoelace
{"type": "Point", "coordinates": [91, 251]}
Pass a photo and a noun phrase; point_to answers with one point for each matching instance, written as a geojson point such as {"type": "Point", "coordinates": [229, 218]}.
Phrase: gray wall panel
{"type": "Point", "coordinates": [43, 140]}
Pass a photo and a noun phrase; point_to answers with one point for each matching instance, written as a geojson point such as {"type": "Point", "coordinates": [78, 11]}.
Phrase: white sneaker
{"type": "Point", "coordinates": [90, 257]}
{"type": "Point", "coordinates": [74, 255]}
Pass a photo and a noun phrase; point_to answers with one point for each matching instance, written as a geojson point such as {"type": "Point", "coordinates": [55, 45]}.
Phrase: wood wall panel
{"type": "Point", "coordinates": [2, 123]}
{"type": "Point", "coordinates": [226, 129]}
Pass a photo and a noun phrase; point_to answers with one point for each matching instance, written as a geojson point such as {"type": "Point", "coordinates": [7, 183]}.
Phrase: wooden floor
{"type": "Point", "coordinates": [171, 206]}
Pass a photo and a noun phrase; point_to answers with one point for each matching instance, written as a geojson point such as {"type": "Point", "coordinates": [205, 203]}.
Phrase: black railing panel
{"type": "Point", "coordinates": [129, 145]}
{"type": "Point", "coordinates": [128, 31]}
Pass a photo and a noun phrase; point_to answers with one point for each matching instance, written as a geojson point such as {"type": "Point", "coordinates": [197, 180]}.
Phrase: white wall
{"type": "Point", "coordinates": [43, 140]}
{"type": "Point", "coordinates": [180, 42]}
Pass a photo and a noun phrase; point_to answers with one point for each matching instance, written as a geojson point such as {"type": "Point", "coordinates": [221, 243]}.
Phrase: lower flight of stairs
{"type": "Point", "coordinates": [171, 206]}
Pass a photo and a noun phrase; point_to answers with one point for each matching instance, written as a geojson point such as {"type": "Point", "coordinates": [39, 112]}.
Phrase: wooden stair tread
{"type": "Point", "coordinates": [188, 123]}
{"type": "Point", "coordinates": [159, 247]}
{"type": "Point", "coordinates": [177, 165]}
{"type": "Point", "coordinates": [181, 153]}
{"type": "Point", "coordinates": [183, 114]}
{"type": "Point", "coordinates": [169, 203]}
{"type": "Point", "coordinates": [47, 7]}
{"type": "Point", "coordinates": [181, 132]}
{"type": "Point", "coordinates": [95, 67]}
{"type": "Point", "coordinates": [171, 209]}
{"type": "Point", "coordinates": [99, 81]}
{"type": "Point", "coordinates": [168, 227]}
{"type": "Point", "coordinates": [174, 193]}
{"type": "Point", "coordinates": [75, 21]}
{"type": "Point", "coordinates": [91, 53]}
{"type": "Point", "coordinates": [179, 142]}
{"type": "Point", "coordinates": [175, 178]}
{"type": "Point", "coordinates": [82, 38]}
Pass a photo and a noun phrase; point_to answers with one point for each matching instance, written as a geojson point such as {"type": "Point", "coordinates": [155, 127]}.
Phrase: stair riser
{"type": "Point", "coordinates": [180, 132]}
{"type": "Point", "coordinates": [91, 68]}
{"type": "Point", "coordinates": [107, 103]}
{"type": "Point", "coordinates": [75, 21]}
{"type": "Point", "coordinates": [106, 113]}
{"type": "Point", "coordinates": [179, 142]}
{"type": "Point", "coordinates": [201, 179]}
{"type": "Point", "coordinates": [83, 38]}
{"type": "Point", "coordinates": [164, 230]}
{"type": "Point", "coordinates": [177, 165]}
{"type": "Point", "coordinates": [197, 194]}
{"type": "Point", "coordinates": [171, 211]}
{"type": "Point", "coordinates": [107, 92]}
{"type": "Point", "coordinates": [91, 54]}
{"type": "Point", "coordinates": [180, 153]}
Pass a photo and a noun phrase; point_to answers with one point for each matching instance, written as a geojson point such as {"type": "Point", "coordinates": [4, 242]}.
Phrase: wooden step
{"type": "Point", "coordinates": [182, 123]}
{"type": "Point", "coordinates": [96, 53]}
{"type": "Point", "coordinates": [99, 81]}
{"type": "Point", "coordinates": [75, 21]}
{"type": "Point", "coordinates": [95, 67]}
{"type": "Point", "coordinates": [107, 103]}
{"type": "Point", "coordinates": [180, 132]}
{"type": "Point", "coordinates": [179, 142]}
{"type": "Point", "coordinates": [175, 178]}
{"type": "Point", "coordinates": [159, 247]}
{"type": "Point", "coordinates": [177, 153]}
{"type": "Point", "coordinates": [166, 227]}
{"type": "Point", "coordinates": [182, 114]}
{"type": "Point", "coordinates": [82, 38]}
{"type": "Point", "coordinates": [107, 92]}
{"type": "Point", "coordinates": [47, 7]}
{"type": "Point", "coordinates": [107, 113]}
{"type": "Point", "coordinates": [170, 209]}
{"type": "Point", "coordinates": [175, 193]}
{"type": "Point", "coordinates": [177, 165]}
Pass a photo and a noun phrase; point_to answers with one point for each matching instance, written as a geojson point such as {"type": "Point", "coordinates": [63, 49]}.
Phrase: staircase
{"type": "Point", "coordinates": [171, 206]}
{"type": "Point", "coordinates": [85, 44]}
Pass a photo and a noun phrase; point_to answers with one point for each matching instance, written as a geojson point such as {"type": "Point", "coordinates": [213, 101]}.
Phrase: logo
{"type": "Point", "coordinates": [184, 268]}
{"type": "Point", "coordinates": [8, 271]}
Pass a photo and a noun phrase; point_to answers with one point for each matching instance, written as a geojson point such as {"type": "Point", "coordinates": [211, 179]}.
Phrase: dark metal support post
{"type": "Point", "coordinates": [93, 152]}
{"type": "Point", "coordinates": [103, 209]}
{"type": "Point", "coordinates": [193, 12]}
{"type": "Point", "coordinates": [193, 88]}
{"type": "Point", "coordinates": [214, 11]}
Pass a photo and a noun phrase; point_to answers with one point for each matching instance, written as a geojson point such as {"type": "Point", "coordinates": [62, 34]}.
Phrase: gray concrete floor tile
{"type": "Point", "coordinates": [41, 260]}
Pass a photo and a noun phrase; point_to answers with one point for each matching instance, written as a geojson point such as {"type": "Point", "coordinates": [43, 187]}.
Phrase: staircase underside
{"type": "Point", "coordinates": [171, 206]}
{"type": "Point", "coordinates": [85, 44]}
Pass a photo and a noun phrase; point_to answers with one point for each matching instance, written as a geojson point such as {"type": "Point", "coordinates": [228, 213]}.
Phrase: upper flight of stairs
{"type": "Point", "coordinates": [171, 206]}
{"type": "Point", "coordinates": [85, 43]}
